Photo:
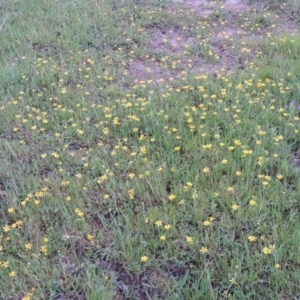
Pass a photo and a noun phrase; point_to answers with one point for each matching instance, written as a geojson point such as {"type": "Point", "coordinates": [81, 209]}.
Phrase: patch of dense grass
{"type": "Point", "coordinates": [132, 173]}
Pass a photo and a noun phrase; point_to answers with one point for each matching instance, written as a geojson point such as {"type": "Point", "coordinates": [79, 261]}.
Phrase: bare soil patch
{"type": "Point", "coordinates": [147, 71]}
{"type": "Point", "coordinates": [170, 41]}
{"type": "Point", "coordinates": [229, 32]}
{"type": "Point", "coordinates": [166, 42]}
{"type": "Point", "coordinates": [202, 7]}
{"type": "Point", "coordinates": [236, 6]}
{"type": "Point", "coordinates": [296, 159]}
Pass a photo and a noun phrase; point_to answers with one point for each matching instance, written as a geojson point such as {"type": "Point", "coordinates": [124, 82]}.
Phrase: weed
{"type": "Point", "coordinates": [149, 150]}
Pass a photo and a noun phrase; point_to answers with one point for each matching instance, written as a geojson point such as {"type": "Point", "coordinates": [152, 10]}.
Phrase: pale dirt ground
{"type": "Point", "coordinates": [172, 43]}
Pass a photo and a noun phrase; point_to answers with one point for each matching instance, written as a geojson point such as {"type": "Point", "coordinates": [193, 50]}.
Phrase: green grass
{"type": "Point", "coordinates": [289, 8]}
{"type": "Point", "coordinates": [180, 181]}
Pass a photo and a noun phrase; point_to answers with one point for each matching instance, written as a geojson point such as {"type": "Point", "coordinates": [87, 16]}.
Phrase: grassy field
{"type": "Point", "coordinates": [149, 149]}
